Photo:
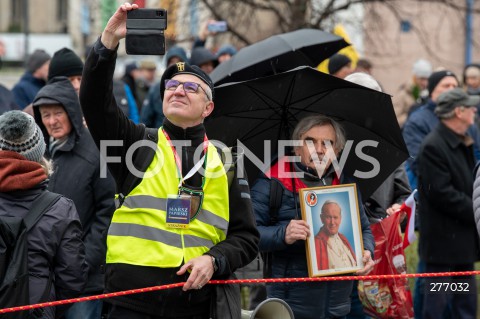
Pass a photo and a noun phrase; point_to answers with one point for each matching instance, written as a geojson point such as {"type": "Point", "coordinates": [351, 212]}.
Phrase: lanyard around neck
{"type": "Point", "coordinates": [178, 161]}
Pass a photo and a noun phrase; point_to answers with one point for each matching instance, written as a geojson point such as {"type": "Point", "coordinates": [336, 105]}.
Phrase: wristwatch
{"type": "Point", "coordinates": [214, 263]}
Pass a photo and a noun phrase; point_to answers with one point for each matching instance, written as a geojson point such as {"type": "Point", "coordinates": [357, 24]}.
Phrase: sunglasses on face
{"type": "Point", "coordinates": [188, 87]}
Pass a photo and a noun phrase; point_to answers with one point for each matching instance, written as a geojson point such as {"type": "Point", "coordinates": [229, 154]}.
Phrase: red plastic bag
{"type": "Point", "coordinates": [387, 298]}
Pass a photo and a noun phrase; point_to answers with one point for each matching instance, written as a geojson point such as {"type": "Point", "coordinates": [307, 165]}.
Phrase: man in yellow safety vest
{"type": "Point", "coordinates": [179, 221]}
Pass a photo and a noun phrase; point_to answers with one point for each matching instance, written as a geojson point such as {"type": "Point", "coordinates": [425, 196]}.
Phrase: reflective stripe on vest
{"type": "Point", "coordinates": [138, 234]}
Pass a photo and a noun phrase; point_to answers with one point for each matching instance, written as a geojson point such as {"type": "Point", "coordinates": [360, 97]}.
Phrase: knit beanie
{"type": "Point", "coordinates": [65, 63]}
{"type": "Point", "coordinates": [422, 68]}
{"type": "Point", "coordinates": [131, 67]}
{"type": "Point", "coordinates": [19, 133]}
{"type": "Point", "coordinates": [36, 60]}
{"type": "Point", "coordinates": [202, 55]}
{"type": "Point", "coordinates": [436, 77]}
{"type": "Point", "coordinates": [175, 51]}
{"type": "Point", "coordinates": [226, 49]}
{"type": "Point", "coordinates": [336, 62]}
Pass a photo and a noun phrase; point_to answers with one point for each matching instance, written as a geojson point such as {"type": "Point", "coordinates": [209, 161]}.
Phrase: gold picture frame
{"type": "Point", "coordinates": [335, 243]}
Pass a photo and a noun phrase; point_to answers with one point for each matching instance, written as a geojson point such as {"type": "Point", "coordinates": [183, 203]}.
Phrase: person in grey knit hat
{"type": "Point", "coordinates": [36, 60]}
{"type": "Point", "coordinates": [19, 133]}
{"type": "Point", "coordinates": [55, 251]}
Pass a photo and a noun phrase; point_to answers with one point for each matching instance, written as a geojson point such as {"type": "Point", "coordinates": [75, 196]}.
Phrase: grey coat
{"type": "Point", "coordinates": [476, 199]}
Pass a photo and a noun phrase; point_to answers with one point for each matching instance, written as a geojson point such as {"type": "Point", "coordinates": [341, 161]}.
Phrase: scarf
{"type": "Point", "coordinates": [18, 173]}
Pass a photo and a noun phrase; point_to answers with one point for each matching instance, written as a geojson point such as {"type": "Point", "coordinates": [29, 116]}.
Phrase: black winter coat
{"type": "Point", "coordinates": [77, 175]}
{"type": "Point", "coordinates": [394, 190]}
{"type": "Point", "coordinates": [53, 243]}
{"type": "Point", "coordinates": [447, 225]}
{"type": "Point", "coordinates": [107, 122]}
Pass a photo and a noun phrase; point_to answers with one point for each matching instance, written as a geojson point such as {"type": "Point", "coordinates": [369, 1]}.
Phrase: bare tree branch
{"type": "Point", "coordinates": [294, 14]}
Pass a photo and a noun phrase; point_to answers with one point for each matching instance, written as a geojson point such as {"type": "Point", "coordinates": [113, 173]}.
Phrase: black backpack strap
{"type": "Point", "coordinates": [141, 163]}
{"type": "Point", "coordinates": [276, 193]}
{"type": "Point", "coordinates": [229, 162]}
{"type": "Point", "coordinates": [39, 206]}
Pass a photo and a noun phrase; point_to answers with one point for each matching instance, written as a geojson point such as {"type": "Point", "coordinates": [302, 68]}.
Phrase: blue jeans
{"type": "Point", "coordinates": [85, 310]}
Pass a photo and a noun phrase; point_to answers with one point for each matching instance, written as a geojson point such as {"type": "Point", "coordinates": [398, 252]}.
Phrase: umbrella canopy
{"type": "Point", "coordinates": [269, 108]}
{"type": "Point", "coordinates": [278, 53]}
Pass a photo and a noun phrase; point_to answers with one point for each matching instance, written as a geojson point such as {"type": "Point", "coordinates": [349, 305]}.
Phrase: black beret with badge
{"type": "Point", "coordinates": [185, 68]}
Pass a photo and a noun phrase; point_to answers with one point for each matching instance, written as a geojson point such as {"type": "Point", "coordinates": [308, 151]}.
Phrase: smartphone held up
{"type": "Point", "coordinates": [217, 26]}
{"type": "Point", "coordinates": [145, 31]}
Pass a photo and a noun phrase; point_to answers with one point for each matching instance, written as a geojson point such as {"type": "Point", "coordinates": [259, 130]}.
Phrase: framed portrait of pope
{"type": "Point", "coordinates": [335, 243]}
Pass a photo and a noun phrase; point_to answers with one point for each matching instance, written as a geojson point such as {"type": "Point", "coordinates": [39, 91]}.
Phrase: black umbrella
{"type": "Point", "coordinates": [278, 53]}
{"type": "Point", "coordinates": [268, 109]}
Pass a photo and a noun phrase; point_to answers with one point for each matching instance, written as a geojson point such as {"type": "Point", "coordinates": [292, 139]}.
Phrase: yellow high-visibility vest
{"type": "Point", "coordinates": [138, 234]}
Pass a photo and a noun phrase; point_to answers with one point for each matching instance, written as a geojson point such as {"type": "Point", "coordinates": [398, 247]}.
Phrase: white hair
{"type": "Point", "coordinates": [330, 202]}
{"type": "Point", "coordinates": [208, 93]}
{"type": "Point", "coordinates": [307, 123]}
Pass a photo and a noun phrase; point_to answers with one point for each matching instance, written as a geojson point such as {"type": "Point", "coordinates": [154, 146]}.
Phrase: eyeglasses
{"type": "Point", "coordinates": [188, 87]}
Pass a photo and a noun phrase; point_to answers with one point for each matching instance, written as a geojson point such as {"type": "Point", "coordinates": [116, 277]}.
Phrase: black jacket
{"type": "Point", "coordinates": [107, 122]}
{"type": "Point", "coordinates": [6, 100]}
{"type": "Point", "coordinates": [53, 243]}
{"type": "Point", "coordinates": [445, 175]}
{"type": "Point", "coordinates": [77, 176]}
{"type": "Point", "coordinates": [394, 190]}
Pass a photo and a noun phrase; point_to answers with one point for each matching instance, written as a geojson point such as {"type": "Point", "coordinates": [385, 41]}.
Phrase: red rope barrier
{"type": "Point", "coordinates": [234, 281]}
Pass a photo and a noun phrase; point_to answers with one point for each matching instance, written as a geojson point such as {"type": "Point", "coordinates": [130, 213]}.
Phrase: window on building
{"type": "Point", "coordinates": [405, 26]}
{"type": "Point", "coordinates": [62, 15]}
{"type": "Point", "coordinates": [17, 16]}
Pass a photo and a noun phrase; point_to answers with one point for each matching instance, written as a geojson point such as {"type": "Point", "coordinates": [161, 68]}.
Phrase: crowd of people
{"type": "Point", "coordinates": [113, 230]}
